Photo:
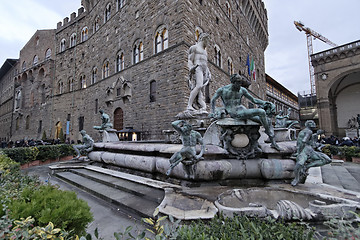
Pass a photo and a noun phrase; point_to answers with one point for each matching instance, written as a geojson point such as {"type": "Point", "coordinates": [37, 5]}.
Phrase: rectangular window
{"type": "Point", "coordinates": [40, 126]}
{"type": "Point", "coordinates": [96, 105]}
{"type": "Point", "coordinates": [81, 123]}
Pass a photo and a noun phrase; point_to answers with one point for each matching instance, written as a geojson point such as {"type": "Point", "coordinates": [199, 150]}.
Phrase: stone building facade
{"type": "Point", "coordinates": [7, 74]}
{"type": "Point", "coordinates": [337, 78]}
{"type": "Point", "coordinates": [282, 98]}
{"type": "Point", "coordinates": [129, 58]}
{"type": "Point", "coordinates": [33, 100]}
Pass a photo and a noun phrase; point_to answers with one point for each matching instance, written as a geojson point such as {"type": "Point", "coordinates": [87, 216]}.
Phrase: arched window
{"type": "Point", "coordinates": [106, 69]}
{"type": "Point", "coordinates": [96, 24]}
{"type": "Point", "coordinates": [83, 81]}
{"type": "Point", "coordinates": [71, 84]}
{"type": "Point", "coordinates": [120, 65]}
{"type": "Point", "coordinates": [138, 52]}
{"type": "Point", "coordinates": [107, 13]}
{"type": "Point", "coordinates": [27, 122]}
{"type": "Point", "coordinates": [43, 93]}
{"type": "Point", "coordinates": [62, 45]}
{"type": "Point", "coordinates": [217, 59]}
{"type": "Point", "coordinates": [60, 87]}
{"type": "Point", "coordinates": [17, 123]}
{"type": "Point", "coordinates": [73, 40]}
{"type": "Point", "coordinates": [84, 34]}
{"type": "Point", "coordinates": [153, 91]}
{"type": "Point", "coordinates": [23, 67]}
{"type": "Point", "coordinates": [120, 4]}
{"type": "Point", "coordinates": [48, 54]}
{"type": "Point", "coordinates": [141, 51]}
{"type": "Point", "coordinates": [35, 60]}
{"type": "Point", "coordinates": [230, 66]}
{"type": "Point", "coordinates": [94, 75]}
{"type": "Point", "coordinates": [228, 9]}
{"type": "Point", "coordinates": [161, 40]}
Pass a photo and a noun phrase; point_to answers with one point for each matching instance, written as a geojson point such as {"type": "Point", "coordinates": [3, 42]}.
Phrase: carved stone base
{"type": "Point", "coordinates": [238, 137]}
{"type": "Point", "coordinates": [198, 119]}
{"type": "Point", "coordinates": [283, 135]}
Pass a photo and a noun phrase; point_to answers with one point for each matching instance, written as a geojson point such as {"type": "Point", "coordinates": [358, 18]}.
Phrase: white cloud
{"type": "Point", "coordinates": [20, 19]}
{"type": "Point", "coordinates": [286, 58]}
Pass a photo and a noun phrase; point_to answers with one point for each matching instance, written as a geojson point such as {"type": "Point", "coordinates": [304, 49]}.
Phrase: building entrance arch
{"type": "Point", "coordinates": [119, 119]}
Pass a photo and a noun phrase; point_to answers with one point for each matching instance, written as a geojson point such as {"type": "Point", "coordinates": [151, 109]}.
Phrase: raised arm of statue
{"type": "Point", "coordinates": [178, 126]}
{"type": "Point", "coordinates": [251, 98]}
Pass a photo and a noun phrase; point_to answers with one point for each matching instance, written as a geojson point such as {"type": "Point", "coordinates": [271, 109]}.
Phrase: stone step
{"type": "Point", "coordinates": [129, 203]}
{"type": "Point", "coordinates": [150, 193]}
{"type": "Point", "coordinates": [339, 176]}
{"type": "Point", "coordinates": [329, 176]}
{"type": "Point", "coordinates": [346, 179]}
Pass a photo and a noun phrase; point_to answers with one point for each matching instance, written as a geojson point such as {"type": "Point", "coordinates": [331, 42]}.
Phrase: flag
{"type": "Point", "coordinates": [253, 69]}
{"type": "Point", "coordinates": [248, 64]}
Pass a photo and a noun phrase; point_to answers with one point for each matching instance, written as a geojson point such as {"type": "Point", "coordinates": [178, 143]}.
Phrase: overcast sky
{"type": "Point", "coordinates": [285, 58]}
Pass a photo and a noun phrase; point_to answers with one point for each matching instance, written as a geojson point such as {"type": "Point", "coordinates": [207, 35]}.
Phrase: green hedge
{"type": "Point", "coordinates": [344, 151]}
{"type": "Point", "coordinates": [44, 152]}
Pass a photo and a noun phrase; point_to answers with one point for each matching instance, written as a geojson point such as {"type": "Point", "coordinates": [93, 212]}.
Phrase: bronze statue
{"type": "Point", "coordinates": [187, 154]}
{"type": "Point", "coordinates": [105, 121]}
{"type": "Point", "coordinates": [282, 120]}
{"type": "Point", "coordinates": [86, 147]}
{"type": "Point", "coordinates": [231, 96]}
{"type": "Point", "coordinates": [306, 156]}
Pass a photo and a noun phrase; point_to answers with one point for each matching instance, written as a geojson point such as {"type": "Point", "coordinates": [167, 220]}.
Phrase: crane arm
{"type": "Point", "coordinates": [308, 31]}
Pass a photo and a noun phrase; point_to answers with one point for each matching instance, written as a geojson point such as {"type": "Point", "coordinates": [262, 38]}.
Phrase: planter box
{"type": "Point", "coordinates": [34, 163]}
{"type": "Point", "coordinates": [24, 166]}
{"type": "Point", "coordinates": [337, 157]}
{"type": "Point", "coordinates": [67, 158]}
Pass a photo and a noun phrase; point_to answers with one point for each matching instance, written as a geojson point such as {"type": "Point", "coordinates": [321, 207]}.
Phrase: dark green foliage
{"type": "Point", "coordinates": [345, 152]}
{"type": "Point", "coordinates": [7, 165]}
{"type": "Point", "coordinates": [66, 150]}
{"type": "Point", "coordinates": [22, 154]}
{"type": "Point", "coordinates": [240, 227]}
{"type": "Point", "coordinates": [12, 182]}
{"type": "Point", "coordinates": [41, 152]}
{"type": "Point", "coordinates": [49, 204]}
{"type": "Point", "coordinates": [48, 152]}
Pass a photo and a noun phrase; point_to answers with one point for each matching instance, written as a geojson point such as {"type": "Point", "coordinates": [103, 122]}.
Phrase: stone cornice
{"type": "Point", "coordinates": [336, 53]}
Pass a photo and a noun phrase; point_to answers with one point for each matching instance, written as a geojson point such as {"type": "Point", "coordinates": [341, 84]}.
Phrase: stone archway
{"type": "Point", "coordinates": [344, 98]}
{"type": "Point", "coordinates": [118, 119]}
{"type": "Point", "coordinates": [337, 77]}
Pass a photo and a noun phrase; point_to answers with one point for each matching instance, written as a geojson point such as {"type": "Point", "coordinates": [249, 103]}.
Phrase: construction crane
{"type": "Point", "coordinates": [309, 34]}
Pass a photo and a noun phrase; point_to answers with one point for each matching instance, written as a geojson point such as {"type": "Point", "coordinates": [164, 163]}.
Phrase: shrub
{"type": "Point", "coordinates": [41, 152]}
{"type": "Point", "coordinates": [21, 154]}
{"type": "Point", "coordinates": [48, 152]}
{"type": "Point", "coordinates": [49, 204]}
{"type": "Point", "coordinates": [241, 227]}
{"type": "Point", "coordinates": [66, 150]}
{"type": "Point", "coordinates": [331, 150]}
{"type": "Point", "coordinates": [7, 165]}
